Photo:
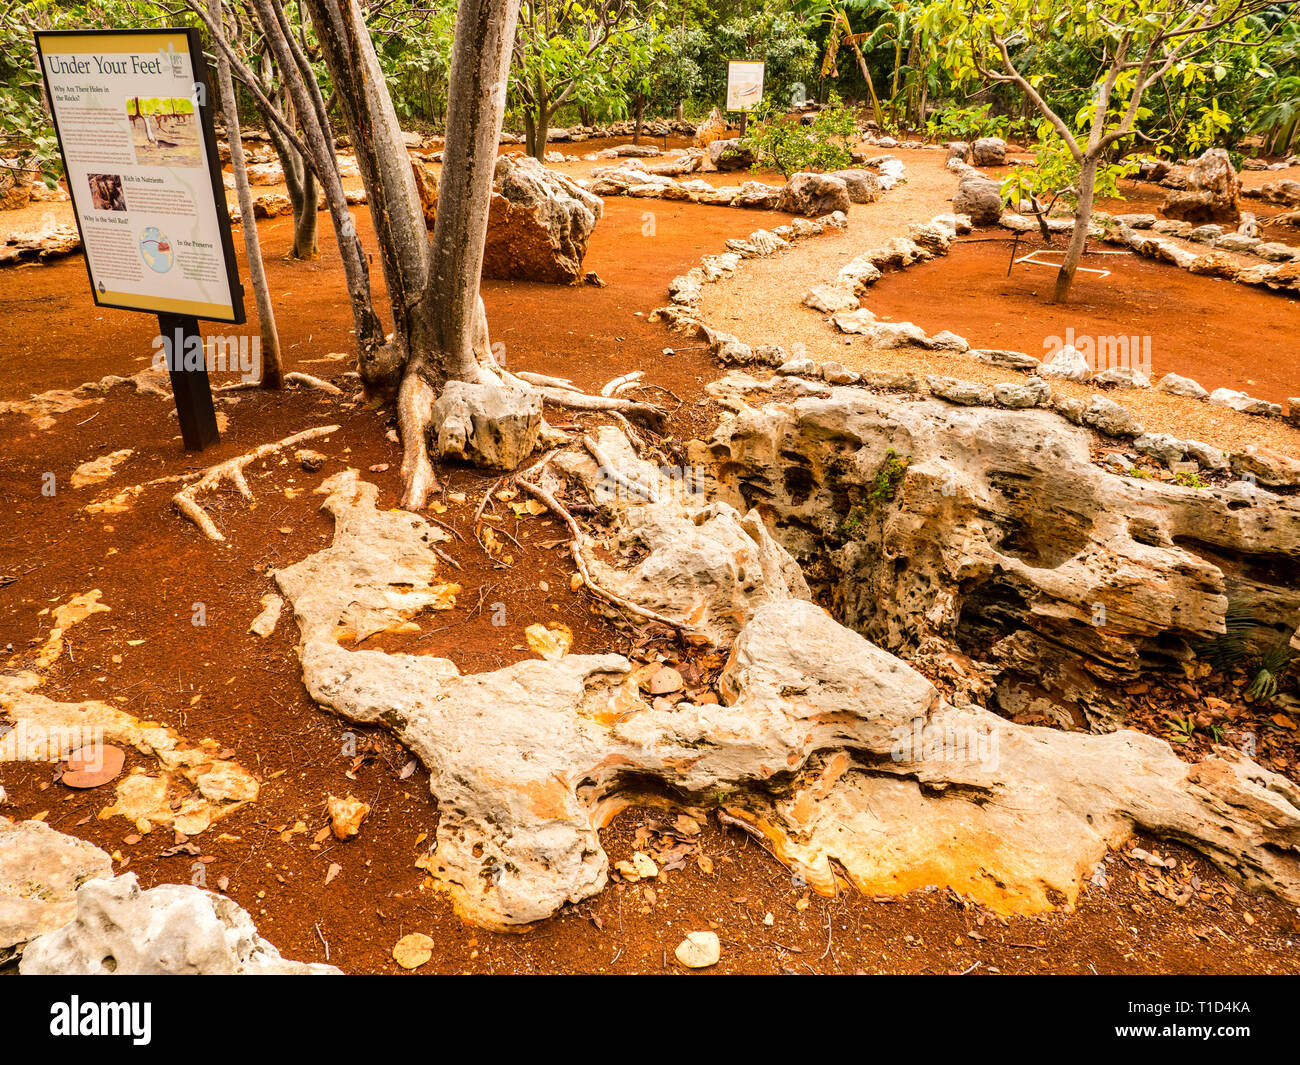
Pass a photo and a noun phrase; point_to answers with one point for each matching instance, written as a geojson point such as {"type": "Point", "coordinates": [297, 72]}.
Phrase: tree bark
{"type": "Point", "coordinates": [1079, 237]}
{"type": "Point", "coordinates": [305, 222]}
{"type": "Point", "coordinates": [317, 149]}
{"type": "Point", "coordinates": [271, 373]}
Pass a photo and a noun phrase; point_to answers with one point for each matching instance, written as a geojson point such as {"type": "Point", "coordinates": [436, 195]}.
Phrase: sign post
{"type": "Point", "coordinates": [132, 112]}
{"type": "Point", "coordinates": [744, 88]}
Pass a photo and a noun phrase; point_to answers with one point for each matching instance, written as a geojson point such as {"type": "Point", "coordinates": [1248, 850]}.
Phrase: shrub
{"type": "Point", "coordinates": [789, 146]}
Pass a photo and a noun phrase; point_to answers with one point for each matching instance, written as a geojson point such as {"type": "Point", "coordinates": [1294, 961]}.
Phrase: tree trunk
{"type": "Point", "coordinates": [305, 220]}
{"type": "Point", "coordinates": [541, 127]}
{"type": "Point", "coordinates": [300, 181]}
{"type": "Point", "coordinates": [876, 111]}
{"type": "Point", "coordinates": [372, 351]}
{"type": "Point", "coordinates": [1079, 238]}
{"type": "Point", "coordinates": [271, 373]}
{"type": "Point", "coordinates": [530, 133]}
{"type": "Point", "coordinates": [375, 362]}
{"type": "Point", "coordinates": [640, 114]}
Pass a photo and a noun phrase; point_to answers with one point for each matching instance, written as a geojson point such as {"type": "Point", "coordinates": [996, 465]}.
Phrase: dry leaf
{"type": "Point", "coordinates": [413, 950]}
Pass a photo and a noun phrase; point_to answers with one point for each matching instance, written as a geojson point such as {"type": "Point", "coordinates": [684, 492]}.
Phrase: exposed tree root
{"type": "Point", "coordinates": [575, 550]}
{"type": "Point", "coordinates": [232, 470]}
{"type": "Point", "coordinates": [414, 414]}
{"type": "Point", "coordinates": [308, 381]}
{"type": "Point", "coordinates": [612, 473]}
{"type": "Point", "coordinates": [416, 398]}
{"type": "Point", "coordinates": [619, 384]}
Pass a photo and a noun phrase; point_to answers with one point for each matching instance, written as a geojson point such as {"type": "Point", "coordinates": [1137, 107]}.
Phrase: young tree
{"type": "Point", "coordinates": [440, 328]}
{"type": "Point", "coordinates": [1132, 44]}
{"type": "Point", "coordinates": [272, 375]}
{"type": "Point", "coordinates": [568, 50]}
{"type": "Point", "coordinates": [316, 148]}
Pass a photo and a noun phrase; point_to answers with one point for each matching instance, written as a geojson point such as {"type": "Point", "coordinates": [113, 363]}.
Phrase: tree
{"type": "Point", "coordinates": [840, 32]}
{"type": "Point", "coordinates": [568, 50]}
{"type": "Point", "coordinates": [316, 148]}
{"type": "Point", "coordinates": [1131, 44]}
{"type": "Point", "coordinates": [271, 374]}
{"type": "Point", "coordinates": [779, 38]}
{"type": "Point", "coordinates": [792, 146]}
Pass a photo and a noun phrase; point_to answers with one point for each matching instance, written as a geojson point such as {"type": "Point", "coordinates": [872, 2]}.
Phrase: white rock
{"type": "Point", "coordinates": [1181, 386]}
{"type": "Point", "coordinates": [1068, 363]}
{"type": "Point", "coordinates": [169, 930]}
{"type": "Point", "coordinates": [699, 950]}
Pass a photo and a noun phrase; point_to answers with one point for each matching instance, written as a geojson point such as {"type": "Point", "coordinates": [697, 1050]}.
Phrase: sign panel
{"type": "Point", "coordinates": [133, 114]}
{"type": "Point", "coordinates": [744, 85]}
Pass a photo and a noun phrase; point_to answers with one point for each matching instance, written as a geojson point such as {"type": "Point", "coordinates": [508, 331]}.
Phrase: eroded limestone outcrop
{"type": "Point", "coordinates": [810, 741]}
{"type": "Point", "coordinates": [936, 529]}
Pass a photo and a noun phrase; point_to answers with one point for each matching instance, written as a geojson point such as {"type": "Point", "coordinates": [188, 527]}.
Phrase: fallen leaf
{"type": "Point", "coordinates": [413, 950]}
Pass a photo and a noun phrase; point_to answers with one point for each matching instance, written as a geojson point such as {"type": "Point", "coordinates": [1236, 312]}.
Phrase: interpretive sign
{"type": "Point", "coordinates": [132, 112]}
{"type": "Point", "coordinates": [744, 85]}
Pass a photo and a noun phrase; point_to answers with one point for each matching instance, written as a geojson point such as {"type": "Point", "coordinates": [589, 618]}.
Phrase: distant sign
{"type": "Point", "coordinates": [132, 112]}
{"type": "Point", "coordinates": [744, 85]}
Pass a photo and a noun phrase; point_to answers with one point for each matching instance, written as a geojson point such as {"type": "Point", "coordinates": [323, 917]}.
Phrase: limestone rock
{"type": "Point", "coordinates": [527, 760]}
{"type": "Point", "coordinates": [1035, 538]}
{"type": "Point", "coordinates": [1181, 386]}
{"type": "Point", "coordinates": [488, 425]}
{"type": "Point", "coordinates": [863, 185]}
{"type": "Point", "coordinates": [758, 195]}
{"type": "Point", "coordinates": [40, 871]}
{"type": "Point", "coordinates": [727, 154]}
{"type": "Point", "coordinates": [1211, 195]}
{"type": "Point", "coordinates": [858, 274]}
{"type": "Point", "coordinates": [1267, 467]}
{"type": "Point", "coordinates": [965, 393]}
{"type": "Point", "coordinates": [1006, 360]}
{"type": "Point", "coordinates": [1163, 447]}
{"type": "Point", "coordinates": [169, 930]}
{"type": "Point", "coordinates": [813, 195]}
{"type": "Point", "coordinates": [711, 129]}
{"type": "Point", "coordinates": [1122, 377]}
{"type": "Point", "coordinates": [830, 299]}
{"type": "Point", "coordinates": [1035, 392]}
{"type": "Point", "coordinates": [1240, 401]}
{"type": "Point", "coordinates": [1069, 364]}
{"type": "Point", "coordinates": [1206, 455]}
{"type": "Point", "coordinates": [539, 223]}
{"type": "Point", "coordinates": [699, 950]}
{"type": "Point", "coordinates": [1107, 416]}
{"type": "Point", "coordinates": [978, 197]}
{"type": "Point", "coordinates": [989, 151]}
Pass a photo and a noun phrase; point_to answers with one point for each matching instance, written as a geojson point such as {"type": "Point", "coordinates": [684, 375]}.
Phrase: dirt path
{"type": "Point", "coordinates": [1222, 335]}
{"type": "Point", "coordinates": [216, 680]}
